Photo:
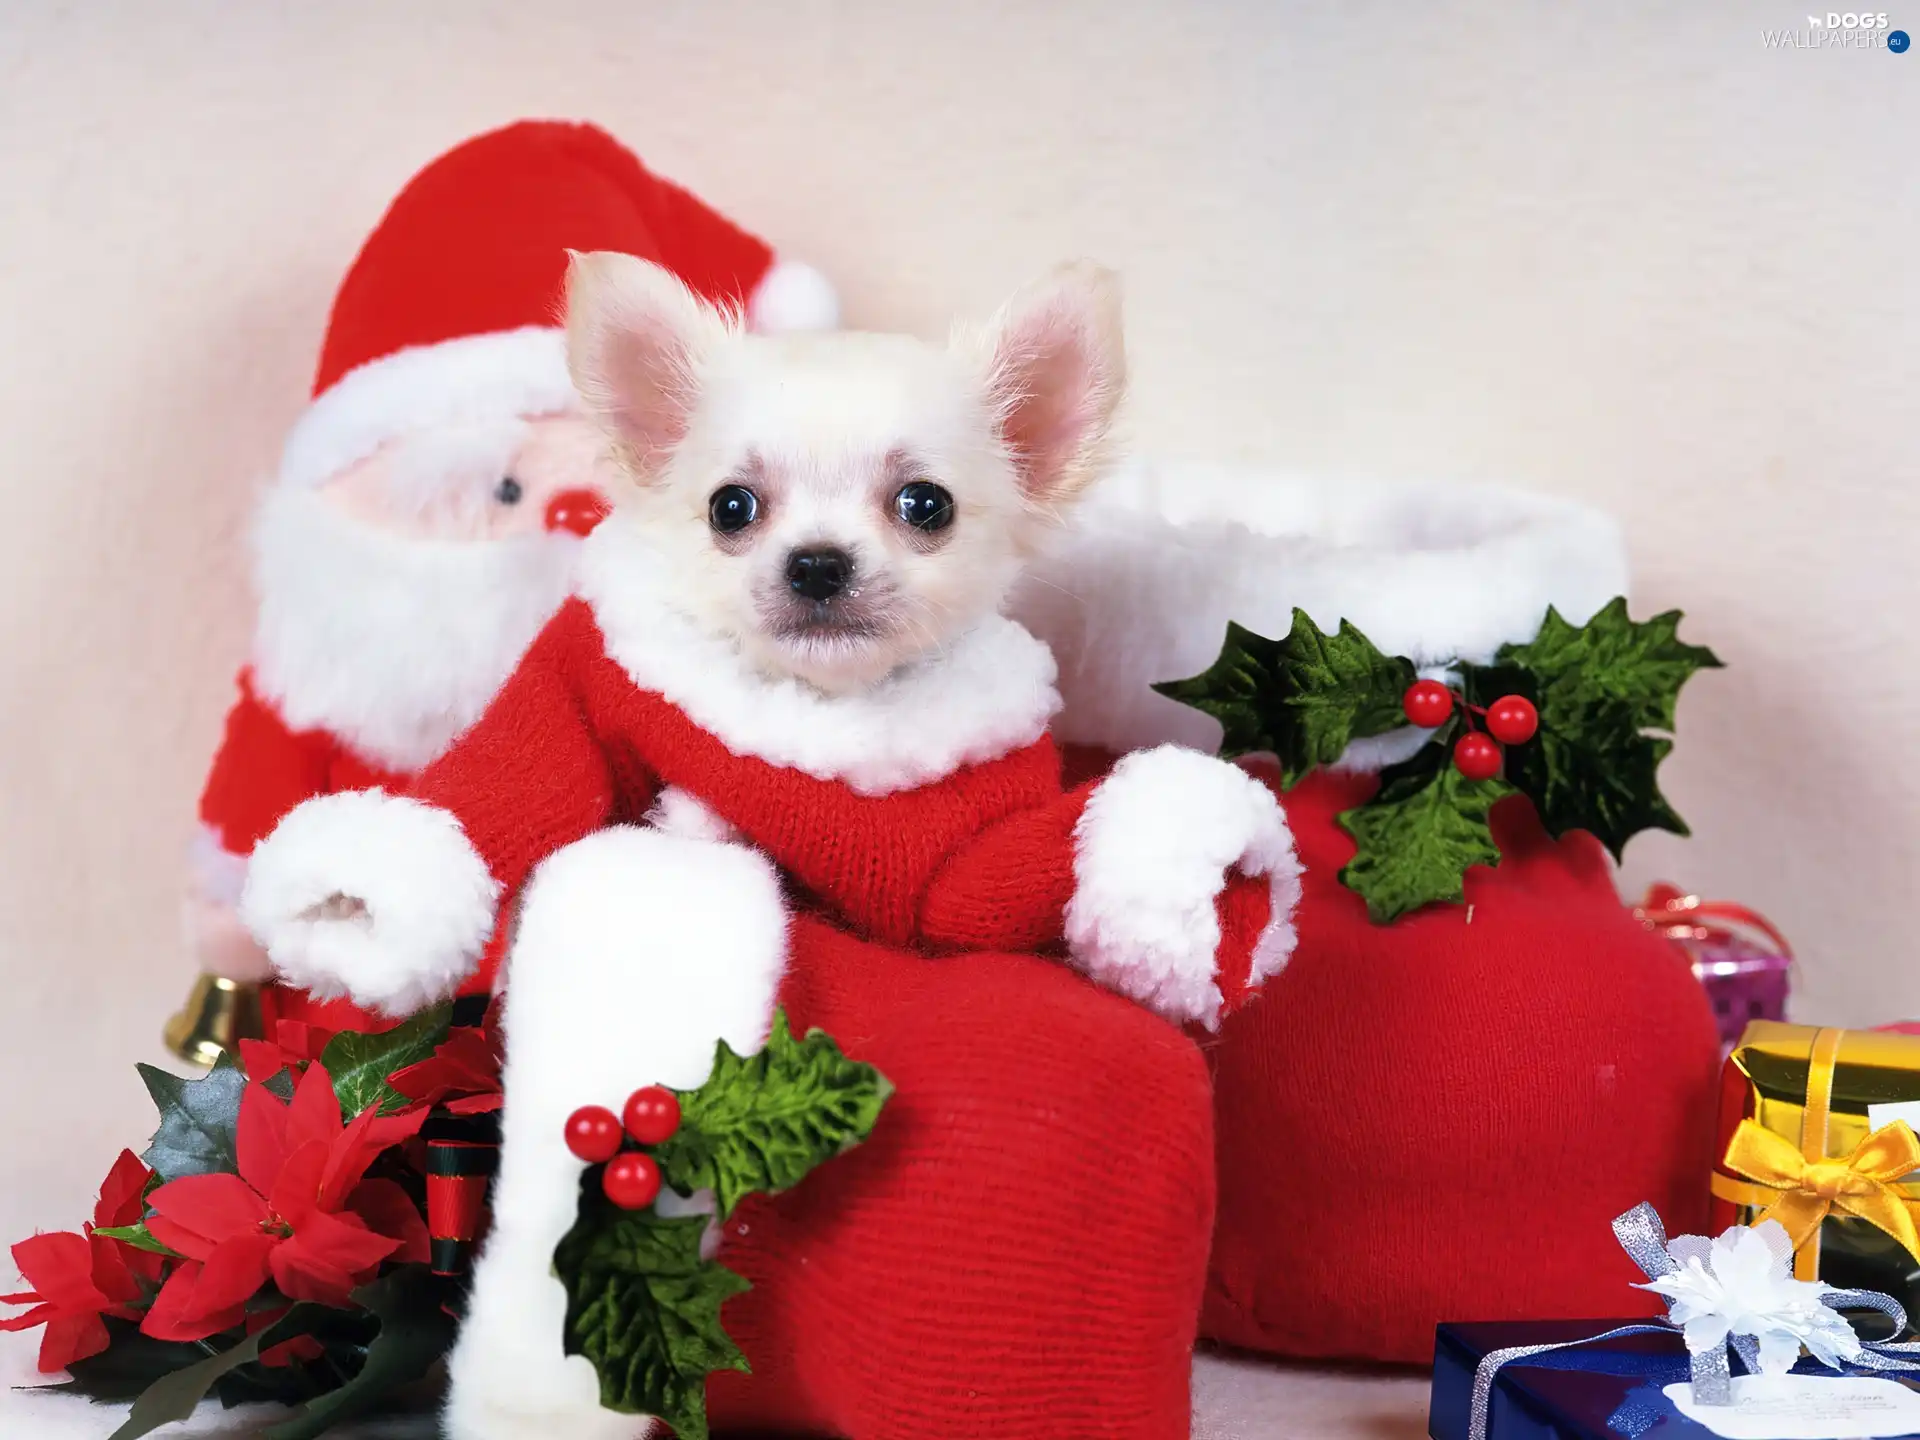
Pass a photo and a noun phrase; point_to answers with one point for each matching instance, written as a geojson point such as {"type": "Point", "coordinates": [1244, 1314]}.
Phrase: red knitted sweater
{"type": "Point", "coordinates": [929, 812]}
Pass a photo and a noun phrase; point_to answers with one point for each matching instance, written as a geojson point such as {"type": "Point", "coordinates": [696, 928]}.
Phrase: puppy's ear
{"type": "Point", "coordinates": [1056, 367]}
{"type": "Point", "coordinates": [635, 340]}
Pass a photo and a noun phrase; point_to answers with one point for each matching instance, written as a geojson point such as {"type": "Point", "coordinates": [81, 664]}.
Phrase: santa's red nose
{"type": "Point", "coordinates": [576, 510]}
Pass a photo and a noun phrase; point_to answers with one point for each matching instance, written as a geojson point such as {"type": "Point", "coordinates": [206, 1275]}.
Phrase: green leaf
{"type": "Point", "coordinates": [360, 1063]}
{"type": "Point", "coordinates": [197, 1121]}
{"type": "Point", "coordinates": [1419, 834]}
{"type": "Point", "coordinates": [645, 1309]}
{"type": "Point", "coordinates": [138, 1237]}
{"type": "Point", "coordinates": [415, 1332]}
{"type": "Point", "coordinates": [1599, 688]}
{"type": "Point", "coordinates": [761, 1122]}
{"type": "Point", "coordinates": [1241, 689]}
{"type": "Point", "coordinates": [1601, 778]}
{"type": "Point", "coordinates": [174, 1396]}
{"type": "Point", "coordinates": [1612, 662]}
{"type": "Point", "coordinates": [1305, 698]}
{"type": "Point", "coordinates": [130, 1363]}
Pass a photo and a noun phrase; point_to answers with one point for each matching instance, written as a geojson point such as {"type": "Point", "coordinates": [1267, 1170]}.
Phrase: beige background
{"type": "Point", "coordinates": [1621, 252]}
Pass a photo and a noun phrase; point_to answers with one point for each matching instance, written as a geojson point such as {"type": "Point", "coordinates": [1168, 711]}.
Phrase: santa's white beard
{"type": "Point", "coordinates": [392, 644]}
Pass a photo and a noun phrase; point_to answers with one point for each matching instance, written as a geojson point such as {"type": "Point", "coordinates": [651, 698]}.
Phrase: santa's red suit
{"type": "Point", "coordinates": [1019, 1251]}
{"type": "Point", "coordinates": [393, 607]}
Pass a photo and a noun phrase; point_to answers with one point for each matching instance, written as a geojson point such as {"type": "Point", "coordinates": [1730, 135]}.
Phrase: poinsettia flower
{"type": "Point", "coordinates": [77, 1279]}
{"type": "Point", "coordinates": [299, 1212]}
{"type": "Point", "coordinates": [462, 1074]}
{"type": "Point", "coordinates": [295, 1044]}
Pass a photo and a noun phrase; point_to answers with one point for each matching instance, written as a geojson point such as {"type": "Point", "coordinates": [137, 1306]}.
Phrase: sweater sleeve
{"type": "Point", "coordinates": [260, 772]}
{"type": "Point", "coordinates": [391, 899]}
{"type": "Point", "coordinates": [531, 775]}
{"type": "Point", "coordinates": [1172, 880]}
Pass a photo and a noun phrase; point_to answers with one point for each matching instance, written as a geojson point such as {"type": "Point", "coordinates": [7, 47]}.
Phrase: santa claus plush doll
{"type": "Point", "coordinates": [430, 502]}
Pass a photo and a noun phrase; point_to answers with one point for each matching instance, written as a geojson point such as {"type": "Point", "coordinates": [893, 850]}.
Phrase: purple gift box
{"type": "Point", "coordinates": [1744, 963]}
{"type": "Point", "coordinates": [1743, 981]}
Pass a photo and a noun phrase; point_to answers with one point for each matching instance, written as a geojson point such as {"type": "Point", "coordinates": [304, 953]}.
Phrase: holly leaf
{"type": "Point", "coordinates": [1600, 777]}
{"type": "Point", "coordinates": [1599, 688]}
{"type": "Point", "coordinates": [1612, 662]}
{"type": "Point", "coordinates": [762, 1121]}
{"type": "Point", "coordinates": [360, 1063]}
{"type": "Point", "coordinates": [1305, 698]}
{"type": "Point", "coordinates": [1240, 690]}
{"type": "Point", "coordinates": [644, 1307]}
{"type": "Point", "coordinates": [415, 1332]}
{"type": "Point", "coordinates": [138, 1237]}
{"type": "Point", "coordinates": [1418, 835]}
{"type": "Point", "coordinates": [197, 1121]}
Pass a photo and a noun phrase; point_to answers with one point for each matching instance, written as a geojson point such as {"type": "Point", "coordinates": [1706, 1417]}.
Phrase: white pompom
{"type": "Point", "coordinates": [792, 295]}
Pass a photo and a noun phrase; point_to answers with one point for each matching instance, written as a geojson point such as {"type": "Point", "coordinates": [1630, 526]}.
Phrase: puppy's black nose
{"type": "Point", "coordinates": [819, 574]}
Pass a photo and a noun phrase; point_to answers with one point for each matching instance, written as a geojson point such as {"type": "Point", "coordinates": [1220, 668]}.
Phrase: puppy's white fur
{"type": "Point", "coordinates": [1010, 418]}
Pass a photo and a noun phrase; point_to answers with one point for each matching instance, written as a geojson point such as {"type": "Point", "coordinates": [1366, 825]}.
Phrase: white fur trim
{"type": "Point", "coordinates": [393, 644]}
{"type": "Point", "coordinates": [1141, 586]}
{"type": "Point", "coordinates": [989, 693]}
{"type": "Point", "coordinates": [472, 378]}
{"type": "Point", "coordinates": [1151, 854]}
{"type": "Point", "coordinates": [426, 900]}
{"type": "Point", "coordinates": [792, 295]}
{"type": "Point", "coordinates": [214, 872]}
{"type": "Point", "coordinates": [585, 1025]}
{"type": "Point", "coordinates": [681, 812]}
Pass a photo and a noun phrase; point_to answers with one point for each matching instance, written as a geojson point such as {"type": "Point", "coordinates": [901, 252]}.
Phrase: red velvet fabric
{"type": "Point", "coordinates": [1019, 1251]}
{"type": "Point", "coordinates": [1436, 1120]}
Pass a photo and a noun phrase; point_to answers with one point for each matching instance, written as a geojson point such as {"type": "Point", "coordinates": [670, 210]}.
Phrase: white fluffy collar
{"type": "Point", "coordinates": [392, 645]}
{"type": "Point", "coordinates": [987, 694]}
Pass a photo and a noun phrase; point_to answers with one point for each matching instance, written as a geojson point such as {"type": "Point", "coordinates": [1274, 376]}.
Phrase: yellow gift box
{"type": "Point", "coordinates": [1818, 1131]}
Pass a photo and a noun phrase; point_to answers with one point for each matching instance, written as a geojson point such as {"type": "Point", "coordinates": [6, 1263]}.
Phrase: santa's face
{"type": "Point", "coordinates": [396, 598]}
{"type": "Point", "coordinates": [485, 481]}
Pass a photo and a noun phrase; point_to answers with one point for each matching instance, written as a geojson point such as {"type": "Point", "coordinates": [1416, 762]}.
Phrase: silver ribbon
{"type": "Point", "coordinates": [1644, 1238]}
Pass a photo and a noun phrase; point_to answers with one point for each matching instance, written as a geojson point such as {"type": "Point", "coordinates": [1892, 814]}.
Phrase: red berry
{"type": "Point", "coordinates": [576, 510]}
{"type": "Point", "coordinates": [1476, 757]}
{"type": "Point", "coordinates": [593, 1134]}
{"type": "Point", "coordinates": [1427, 703]}
{"type": "Point", "coordinates": [652, 1114]}
{"type": "Point", "coordinates": [1512, 720]}
{"type": "Point", "coordinates": [631, 1180]}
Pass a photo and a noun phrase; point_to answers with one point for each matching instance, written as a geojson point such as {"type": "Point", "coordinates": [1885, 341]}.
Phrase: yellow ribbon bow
{"type": "Point", "coordinates": [1863, 1184]}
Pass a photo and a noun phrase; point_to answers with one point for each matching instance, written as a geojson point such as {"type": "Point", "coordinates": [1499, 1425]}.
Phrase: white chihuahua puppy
{"type": "Point", "coordinates": [839, 505]}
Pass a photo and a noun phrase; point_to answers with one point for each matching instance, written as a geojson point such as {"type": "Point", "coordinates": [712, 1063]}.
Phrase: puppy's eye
{"type": "Point", "coordinates": [508, 491]}
{"type": "Point", "coordinates": [924, 506]}
{"type": "Point", "coordinates": [732, 509]}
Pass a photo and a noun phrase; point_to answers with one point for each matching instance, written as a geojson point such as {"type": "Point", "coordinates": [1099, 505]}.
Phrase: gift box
{"type": "Point", "coordinates": [1816, 1131]}
{"type": "Point", "coordinates": [1610, 1389]}
{"type": "Point", "coordinates": [1742, 961]}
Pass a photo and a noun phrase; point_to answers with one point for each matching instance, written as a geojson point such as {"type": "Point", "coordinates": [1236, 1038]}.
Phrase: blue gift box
{"type": "Point", "coordinates": [1608, 1390]}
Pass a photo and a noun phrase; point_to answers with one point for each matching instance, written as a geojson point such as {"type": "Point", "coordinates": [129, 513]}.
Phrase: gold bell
{"type": "Point", "coordinates": [219, 1013]}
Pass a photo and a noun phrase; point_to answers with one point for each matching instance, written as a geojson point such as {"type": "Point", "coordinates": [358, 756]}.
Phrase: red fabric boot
{"type": "Point", "coordinates": [1018, 1251]}
{"type": "Point", "coordinates": [1436, 1119]}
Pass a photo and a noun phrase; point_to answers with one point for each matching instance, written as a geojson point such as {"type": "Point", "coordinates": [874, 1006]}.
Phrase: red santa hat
{"type": "Point", "coordinates": [450, 311]}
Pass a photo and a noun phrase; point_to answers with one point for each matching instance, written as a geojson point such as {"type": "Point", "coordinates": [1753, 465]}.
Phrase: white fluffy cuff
{"type": "Point", "coordinates": [1152, 852]}
{"type": "Point", "coordinates": [370, 895]}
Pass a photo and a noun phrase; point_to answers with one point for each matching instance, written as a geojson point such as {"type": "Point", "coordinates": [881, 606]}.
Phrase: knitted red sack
{"type": "Point", "coordinates": [1434, 1119]}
